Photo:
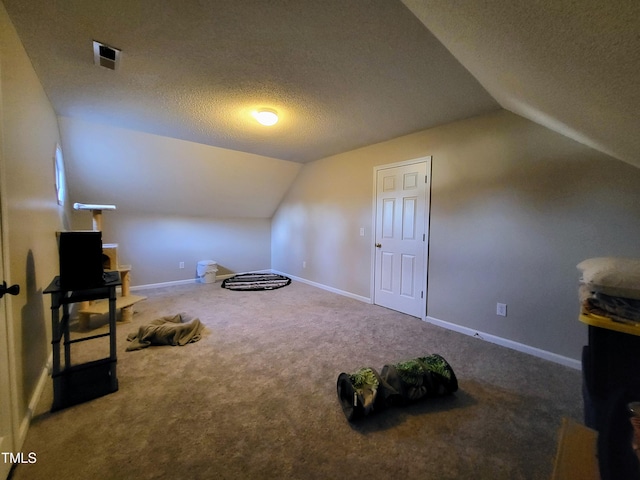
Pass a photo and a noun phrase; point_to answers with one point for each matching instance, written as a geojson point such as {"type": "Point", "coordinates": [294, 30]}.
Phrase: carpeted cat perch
{"type": "Point", "coordinates": [365, 391]}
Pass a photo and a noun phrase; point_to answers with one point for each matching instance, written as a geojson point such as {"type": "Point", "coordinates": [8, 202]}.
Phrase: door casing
{"type": "Point", "coordinates": [8, 387]}
{"type": "Point", "coordinates": [427, 210]}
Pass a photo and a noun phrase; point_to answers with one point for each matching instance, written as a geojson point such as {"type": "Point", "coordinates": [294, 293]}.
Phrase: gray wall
{"type": "Point", "coordinates": [514, 208]}
{"type": "Point", "coordinates": [177, 201]}
{"type": "Point", "coordinates": [154, 245]}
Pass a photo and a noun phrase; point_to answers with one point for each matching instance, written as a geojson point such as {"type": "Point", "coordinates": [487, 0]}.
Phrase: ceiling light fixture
{"type": "Point", "coordinates": [266, 116]}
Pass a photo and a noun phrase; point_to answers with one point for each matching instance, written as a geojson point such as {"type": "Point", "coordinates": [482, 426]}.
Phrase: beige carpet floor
{"type": "Point", "coordinates": [255, 398]}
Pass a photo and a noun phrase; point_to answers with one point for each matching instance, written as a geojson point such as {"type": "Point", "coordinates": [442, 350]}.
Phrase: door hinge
{"type": "Point", "coordinates": [423, 237]}
{"type": "Point", "coordinates": [422, 294]}
{"type": "Point", "coordinates": [426, 179]}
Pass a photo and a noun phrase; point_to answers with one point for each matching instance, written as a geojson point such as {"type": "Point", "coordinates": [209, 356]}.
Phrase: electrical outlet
{"type": "Point", "coordinates": [501, 309]}
{"type": "Point", "coordinates": [361, 231]}
{"type": "Point", "coordinates": [304, 264]}
{"type": "Point", "coordinates": [181, 265]}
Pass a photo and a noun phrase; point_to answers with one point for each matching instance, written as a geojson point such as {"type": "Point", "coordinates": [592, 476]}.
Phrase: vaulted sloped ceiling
{"type": "Point", "coordinates": [573, 67]}
{"type": "Point", "coordinates": [143, 173]}
{"type": "Point", "coordinates": [341, 73]}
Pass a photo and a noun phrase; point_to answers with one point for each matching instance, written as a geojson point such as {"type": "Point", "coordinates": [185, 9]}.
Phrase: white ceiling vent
{"type": "Point", "coordinates": [106, 56]}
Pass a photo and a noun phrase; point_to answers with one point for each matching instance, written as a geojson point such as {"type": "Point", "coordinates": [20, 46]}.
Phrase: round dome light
{"type": "Point", "coordinates": [266, 116]}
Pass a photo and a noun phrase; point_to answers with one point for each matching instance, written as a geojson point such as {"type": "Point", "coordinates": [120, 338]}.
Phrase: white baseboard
{"type": "Point", "coordinates": [175, 283]}
{"type": "Point", "coordinates": [25, 422]}
{"type": "Point", "coordinates": [520, 347]}
{"type": "Point", "coordinates": [162, 284]}
{"type": "Point", "coordinates": [325, 287]}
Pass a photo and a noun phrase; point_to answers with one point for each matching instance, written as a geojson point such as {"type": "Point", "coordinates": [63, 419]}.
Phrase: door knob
{"type": "Point", "coordinates": [378, 245]}
{"type": "Point", "coordinates": [12, 290]}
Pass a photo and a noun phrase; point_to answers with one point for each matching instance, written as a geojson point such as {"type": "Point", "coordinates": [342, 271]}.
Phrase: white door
{"type": "Point", "coordinates": [7, 440]}
{"type": "Point", "coordinates": [402, 208]}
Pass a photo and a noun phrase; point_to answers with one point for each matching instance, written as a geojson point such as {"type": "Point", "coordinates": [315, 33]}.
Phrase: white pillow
{"type": "Point", "coordinates": [615, 276]}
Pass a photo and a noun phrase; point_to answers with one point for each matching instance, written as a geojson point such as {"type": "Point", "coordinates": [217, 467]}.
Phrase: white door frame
{"type": "Point", "coordinates": [427, 213]}
{"type": "Point", "coordinates": [7, 381]}
{"type": "Point", "coordinates": [8, 386]}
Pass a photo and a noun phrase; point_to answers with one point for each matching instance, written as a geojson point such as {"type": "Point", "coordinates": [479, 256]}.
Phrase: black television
{"type": "Point", "coordinates": [80, 253]}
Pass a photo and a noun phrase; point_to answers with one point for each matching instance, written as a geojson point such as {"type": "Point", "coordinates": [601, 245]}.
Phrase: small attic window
{"type": "Point", "coordinates": [61, 181]}
{"type": "Point", "coordinates": [106, 56]}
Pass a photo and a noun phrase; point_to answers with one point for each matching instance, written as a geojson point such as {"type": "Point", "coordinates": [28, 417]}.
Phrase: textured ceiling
{"type": "Point", "coordinates": [342, 74]}
{"type": "Point", "coordinates": [573, 66]}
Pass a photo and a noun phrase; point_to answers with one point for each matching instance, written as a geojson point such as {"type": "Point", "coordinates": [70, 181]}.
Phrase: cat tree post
{"type": "Point", "coordinates": [96, 213]}
{"type": "Point", "coordinates": [126, 300]}
{"type": "Point", "coordinates": [97, 220]}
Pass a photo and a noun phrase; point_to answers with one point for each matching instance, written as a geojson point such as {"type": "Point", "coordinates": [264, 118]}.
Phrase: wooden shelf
{"type": "Point", "coordinates": [100, 307]}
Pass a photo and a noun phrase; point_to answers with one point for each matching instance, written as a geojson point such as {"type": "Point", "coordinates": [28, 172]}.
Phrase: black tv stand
{"type": "Point", "coordinates": [74, 384]}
